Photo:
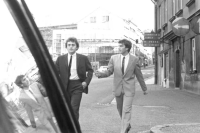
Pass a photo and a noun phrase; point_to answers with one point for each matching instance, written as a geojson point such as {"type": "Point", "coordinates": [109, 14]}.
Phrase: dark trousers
{"type": "Point", "coordinates": [75, 90]}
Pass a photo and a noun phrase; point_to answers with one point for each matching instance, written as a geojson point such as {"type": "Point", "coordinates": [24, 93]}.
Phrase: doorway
{"type": "Point", "coordinates": [178, 69]}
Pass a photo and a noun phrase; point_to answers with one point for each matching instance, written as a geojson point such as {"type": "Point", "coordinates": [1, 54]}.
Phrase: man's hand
{"type": "Point", "coordinates": [145, 93]}
{"type": "Point", "coordinates": [84, 84]}
{"type": "Point", "coordinates": [97, 74]}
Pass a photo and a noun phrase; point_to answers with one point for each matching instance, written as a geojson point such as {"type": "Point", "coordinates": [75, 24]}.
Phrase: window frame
{"type": "Point", "coordinates": [173, 7]}
{"type": "Point", "coordinates": [93, 19]}
{"type": "Point", "coordinates": [166, 11]}
{"type": "Point", "coordinates": [160, 16]}
{"type": "Point", "coordinates": [105, 19]}
{"type": "Point", "coordinates": [193, 54]}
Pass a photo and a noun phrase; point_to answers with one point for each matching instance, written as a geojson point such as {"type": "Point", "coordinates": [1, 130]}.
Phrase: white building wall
{"type": "Point", "coordinates": [115, 28]}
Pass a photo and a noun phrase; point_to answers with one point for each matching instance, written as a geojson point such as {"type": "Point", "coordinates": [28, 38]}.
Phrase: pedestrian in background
{"type": "Point", "coordinates": [125, 68]}
{"type": "Point", "coordinates": [75, 72]}
{"type": "Point", "coordinates": [34, 103]}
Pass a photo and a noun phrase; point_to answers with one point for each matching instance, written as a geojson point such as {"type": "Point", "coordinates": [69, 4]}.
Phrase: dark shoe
{"type": "Point", "coordinates": [23, 122]}
{"type": "Point", "coordinates": [128, 128]}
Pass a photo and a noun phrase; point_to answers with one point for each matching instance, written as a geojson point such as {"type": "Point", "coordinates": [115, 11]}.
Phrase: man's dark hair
{"type": "Point", "coordinates": [127, 43]}
{"type": "Point", "coordinates": [72, 39]}
{"type": "Point", "coordinates": [18, 80]}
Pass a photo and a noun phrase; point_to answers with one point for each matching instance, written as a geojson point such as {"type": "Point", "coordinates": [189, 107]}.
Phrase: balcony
{"type": "Point", "coordinates": [172, 19]}
{"type": "Point", "coordinates": [190, 3]}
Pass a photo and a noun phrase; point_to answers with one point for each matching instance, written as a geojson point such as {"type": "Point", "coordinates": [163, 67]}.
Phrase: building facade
{"type": "Point", "coordinates": [98, 34]}
{"type": "Point", "coordinates": [178, 60]}
{"type": "Point", "coordinates": [47, 34]}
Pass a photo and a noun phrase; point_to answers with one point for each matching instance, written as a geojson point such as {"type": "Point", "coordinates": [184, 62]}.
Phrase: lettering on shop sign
{"type": "Point", "coordinates": [151, 39]}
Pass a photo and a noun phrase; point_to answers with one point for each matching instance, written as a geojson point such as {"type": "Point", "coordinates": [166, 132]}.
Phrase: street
{"type": "Point", "coordinates": [97, 115]}
{"type": "Point", "coordinates": [162, 110]}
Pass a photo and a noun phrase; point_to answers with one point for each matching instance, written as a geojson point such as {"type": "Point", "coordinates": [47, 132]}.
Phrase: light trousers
{"type": "Point", "coordinates": [124, 107]}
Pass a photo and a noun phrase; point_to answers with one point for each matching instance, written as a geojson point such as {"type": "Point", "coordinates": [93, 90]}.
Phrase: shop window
{"type": "Point", "coordinates": [193, 55]}
{"type": "Point", "coordinates": [161, 61]}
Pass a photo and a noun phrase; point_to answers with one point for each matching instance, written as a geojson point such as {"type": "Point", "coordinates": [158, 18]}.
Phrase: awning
{"type": "Point", "coordinates": [164, 51]}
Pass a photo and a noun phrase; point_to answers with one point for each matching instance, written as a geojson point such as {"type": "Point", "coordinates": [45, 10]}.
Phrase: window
{"type": "Point", "coordinates": [93, 19]}
{"type": "Point", "coordinates": [58, 44]}
{"type": "Point", "coordinates": [165, 6]}
{"type": "Point", "coordinates": [174, 8]}
{"type": "Point", "coordinates": [105, 19]}
{"type": "Point", "coordinates": [193, 54]}
{"type": "Point", "coordinates": [181, 4]}
{"type": "Point", "coordinates": [160, 17]}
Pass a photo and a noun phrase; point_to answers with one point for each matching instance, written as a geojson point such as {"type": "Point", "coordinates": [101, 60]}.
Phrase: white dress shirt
{"type": "Point", "coordinates": [74, 75]}
{"type": "Point", "coordinates": [126, 61]}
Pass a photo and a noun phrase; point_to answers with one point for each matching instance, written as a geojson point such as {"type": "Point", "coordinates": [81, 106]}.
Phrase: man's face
{"type": "Point", "coordinates": [122, 49]}
{"type": "Point", "coordinates": [71, 47]}
{"type": "Point", "coordinates": [25, 82]}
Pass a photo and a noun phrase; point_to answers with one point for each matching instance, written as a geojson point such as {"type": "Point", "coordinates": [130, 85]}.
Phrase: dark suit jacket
{"type": "Point", "coordinates": [83, 65]}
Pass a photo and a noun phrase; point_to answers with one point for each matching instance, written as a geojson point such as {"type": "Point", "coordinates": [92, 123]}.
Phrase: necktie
{"type": "Point", "coordinates": [69, 67]}
{"type": "Point", "coordinates": [123, 65]}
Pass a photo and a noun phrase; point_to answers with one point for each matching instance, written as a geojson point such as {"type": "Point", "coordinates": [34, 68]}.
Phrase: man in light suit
{"type": "Point", "coordinates": [34, 103]}
{"type": "Point", "coordinates": [75, 72]}
{"type": "Point", "coordinates": [125, 68]}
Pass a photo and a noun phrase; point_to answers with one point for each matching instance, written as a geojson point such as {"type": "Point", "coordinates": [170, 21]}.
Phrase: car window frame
{"type": "Point", "coordinates": [60, 103]}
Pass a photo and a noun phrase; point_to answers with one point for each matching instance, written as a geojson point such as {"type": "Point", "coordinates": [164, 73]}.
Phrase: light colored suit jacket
{"type": "Point", "coordinates": [126, 82]}
{"type": "Point", "coordinates": [32, 107]}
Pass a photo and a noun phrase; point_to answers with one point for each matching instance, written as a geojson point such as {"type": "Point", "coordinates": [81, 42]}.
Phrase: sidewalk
{"type": "Point", "coordinates": [166, 110]}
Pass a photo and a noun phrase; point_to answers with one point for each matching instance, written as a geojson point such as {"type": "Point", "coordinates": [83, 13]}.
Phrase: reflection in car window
{"type": "Point", "coordinates": [21, 88]}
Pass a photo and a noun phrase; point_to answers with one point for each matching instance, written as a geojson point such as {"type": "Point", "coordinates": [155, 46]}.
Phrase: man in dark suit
{"type": "Point", "coordinates": [125, 68]}
{"type": "Point", "coordinates": [75, 72]}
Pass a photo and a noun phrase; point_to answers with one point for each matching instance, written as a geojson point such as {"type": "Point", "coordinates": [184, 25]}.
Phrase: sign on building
{"type": "Point", "coordinates": [151, 39]}
{"type": "Point", "coordinates": [180, 26]}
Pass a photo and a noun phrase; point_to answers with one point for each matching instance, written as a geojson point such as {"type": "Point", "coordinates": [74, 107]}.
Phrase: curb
{"type": "Point", "coordinates": [157, 129]}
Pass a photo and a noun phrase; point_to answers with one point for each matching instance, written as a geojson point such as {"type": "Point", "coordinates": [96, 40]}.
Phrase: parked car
{"type": "Point", "coordinates": [102, 68]}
